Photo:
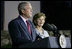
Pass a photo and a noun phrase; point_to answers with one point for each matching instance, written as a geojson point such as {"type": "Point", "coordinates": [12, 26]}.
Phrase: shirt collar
{"type": "Point", "coordinates": [23, 18]}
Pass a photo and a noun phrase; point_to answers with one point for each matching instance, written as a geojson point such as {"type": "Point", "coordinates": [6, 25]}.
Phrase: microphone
{"type": "Point", "coordinates": [51, 27]}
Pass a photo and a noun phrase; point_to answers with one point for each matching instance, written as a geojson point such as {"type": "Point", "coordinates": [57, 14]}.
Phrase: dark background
{"type": "Point", "coordinates": [58, 13]}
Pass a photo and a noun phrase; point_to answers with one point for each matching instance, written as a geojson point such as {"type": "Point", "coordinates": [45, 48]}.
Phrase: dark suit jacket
{"type": "Point", "coordinates": [19, 32]}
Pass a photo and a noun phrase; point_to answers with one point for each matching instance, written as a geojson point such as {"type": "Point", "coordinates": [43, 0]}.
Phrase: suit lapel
{"type": "Point", "coordinates": [24, 27]}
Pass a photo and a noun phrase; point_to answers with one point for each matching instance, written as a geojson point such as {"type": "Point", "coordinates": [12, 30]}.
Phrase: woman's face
{"type": "Point", "coordinates": [40, 21]}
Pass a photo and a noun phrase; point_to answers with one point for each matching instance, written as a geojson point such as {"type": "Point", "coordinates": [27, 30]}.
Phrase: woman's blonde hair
{"type": "Point", "coordinates": [36, 16]}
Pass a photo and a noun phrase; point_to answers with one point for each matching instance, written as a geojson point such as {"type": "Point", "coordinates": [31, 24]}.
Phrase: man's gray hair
{"type": "Point", "coordinates": [22, 5]}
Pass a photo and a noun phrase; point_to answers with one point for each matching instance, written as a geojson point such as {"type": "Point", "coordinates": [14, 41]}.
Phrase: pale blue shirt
{"type": "Point", "coordinates": [44, 35]}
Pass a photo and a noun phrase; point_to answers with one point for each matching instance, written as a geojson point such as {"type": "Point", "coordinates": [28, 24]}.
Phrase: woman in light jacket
{"type": "Point", "coordinates": [39, 20]}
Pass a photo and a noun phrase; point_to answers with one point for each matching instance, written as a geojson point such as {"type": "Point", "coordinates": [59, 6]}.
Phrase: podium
{"type": "Point", "coordinates": [49, 42]}
{"type": "Point", "coordinates": [68, 42]}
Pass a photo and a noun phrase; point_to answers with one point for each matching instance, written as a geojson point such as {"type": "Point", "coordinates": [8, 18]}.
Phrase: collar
{"type": "Point", "coordinates": [24, 19]}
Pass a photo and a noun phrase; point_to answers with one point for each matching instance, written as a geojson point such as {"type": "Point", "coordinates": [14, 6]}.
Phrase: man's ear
{"type": "Point", "coordinates": [23, 11]}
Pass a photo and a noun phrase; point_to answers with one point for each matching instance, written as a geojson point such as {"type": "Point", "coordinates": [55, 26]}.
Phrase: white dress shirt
{"type": "Point", "coordinates": [23, 19]}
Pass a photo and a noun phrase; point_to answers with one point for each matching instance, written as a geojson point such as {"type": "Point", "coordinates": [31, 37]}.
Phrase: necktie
{"type": "Point", "coordinates": [28, 26]}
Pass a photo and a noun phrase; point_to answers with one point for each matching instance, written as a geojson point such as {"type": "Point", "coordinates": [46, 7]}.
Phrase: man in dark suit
{"type": "Point", "coordinates": [22, 30]}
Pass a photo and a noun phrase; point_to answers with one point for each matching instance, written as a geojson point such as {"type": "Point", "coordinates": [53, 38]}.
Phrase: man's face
{"type": "Point", "coordinates": [28, 11]}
